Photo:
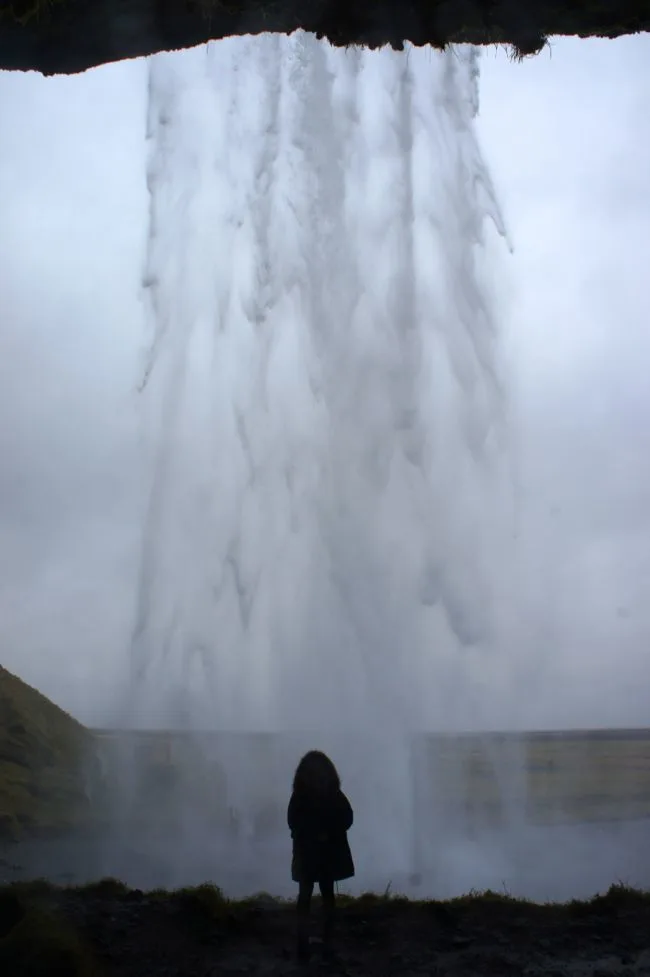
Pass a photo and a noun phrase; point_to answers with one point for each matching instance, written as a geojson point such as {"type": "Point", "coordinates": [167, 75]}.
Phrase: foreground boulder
{"type": "Point", "coordinates": [38, 943]}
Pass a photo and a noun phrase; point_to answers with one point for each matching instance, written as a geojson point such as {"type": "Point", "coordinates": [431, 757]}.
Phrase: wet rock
{"type": "Point", "coordinates": [11, 912]}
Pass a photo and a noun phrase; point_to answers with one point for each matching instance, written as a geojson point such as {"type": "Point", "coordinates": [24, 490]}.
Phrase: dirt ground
{"type": "Point", "coordinates": [110, 930]}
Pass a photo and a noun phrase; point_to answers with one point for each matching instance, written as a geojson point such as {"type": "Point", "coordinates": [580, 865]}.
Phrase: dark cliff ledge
{"type": "Point", "coordinates": [67, 36]}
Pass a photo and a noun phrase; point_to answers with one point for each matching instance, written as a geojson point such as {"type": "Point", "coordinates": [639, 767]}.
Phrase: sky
{"type": "Point", "coordinates": [570, 152]}
{"type": "Point", "coordinates": [565, 137]}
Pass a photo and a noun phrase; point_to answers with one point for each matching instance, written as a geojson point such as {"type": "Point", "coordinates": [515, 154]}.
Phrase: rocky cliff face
{"type": "Point", "coordinates": [67, 36]}
{"type": "Point", "coordinates": [43, 762]}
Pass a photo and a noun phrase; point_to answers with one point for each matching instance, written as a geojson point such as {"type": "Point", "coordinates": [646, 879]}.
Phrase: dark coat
{"type": "Point", "coordinates": [319, 827]}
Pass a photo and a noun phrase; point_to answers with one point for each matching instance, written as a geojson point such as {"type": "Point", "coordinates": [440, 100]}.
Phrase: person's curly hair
{"type": "Point", "coordinates": [316, 774]}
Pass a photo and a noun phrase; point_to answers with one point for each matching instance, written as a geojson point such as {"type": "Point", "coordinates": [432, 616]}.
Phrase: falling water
{"type": "Point", "coordinates": [326, 533]}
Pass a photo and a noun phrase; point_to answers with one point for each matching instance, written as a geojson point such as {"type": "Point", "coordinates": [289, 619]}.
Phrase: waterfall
{"type": "Point", "coordinates": [323, 376]}
{"type": "Point", "coordinates": [326, 526]}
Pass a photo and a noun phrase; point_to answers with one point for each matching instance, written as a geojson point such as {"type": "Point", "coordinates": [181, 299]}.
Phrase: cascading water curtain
{"type": "Point", "coordinates": [326, 524]}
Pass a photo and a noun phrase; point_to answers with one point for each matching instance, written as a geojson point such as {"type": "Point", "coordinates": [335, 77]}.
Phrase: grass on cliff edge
{"type": "Point", "coordinates": [209, 900]}
{"type": "Point", "coordinates": [42, 754]}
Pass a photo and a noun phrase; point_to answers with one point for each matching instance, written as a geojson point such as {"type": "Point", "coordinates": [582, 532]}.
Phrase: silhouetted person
{"type": "Point", "coordinates": [319, 818]}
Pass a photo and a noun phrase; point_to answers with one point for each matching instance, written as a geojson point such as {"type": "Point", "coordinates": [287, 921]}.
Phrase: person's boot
{"type": "Point", "coordinates": [302, 942]}
{"type": "Point", "coordinates": [328, 927]}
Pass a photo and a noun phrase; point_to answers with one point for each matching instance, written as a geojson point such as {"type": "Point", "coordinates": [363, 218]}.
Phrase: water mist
{"type": "Point", "coordinates": [328, 513]}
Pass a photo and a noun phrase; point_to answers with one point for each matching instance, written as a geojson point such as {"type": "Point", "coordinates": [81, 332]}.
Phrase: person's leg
{"type": "Point", "coordinates": [305, 890]}
{"type": "Point", "coordinates": [326, 887]}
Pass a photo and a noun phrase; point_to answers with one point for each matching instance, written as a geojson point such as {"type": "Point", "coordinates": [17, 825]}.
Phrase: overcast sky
{"type": "Point", "coordinates": [569, 143]}
{"type": "Point", "coordinates": [568, 140]}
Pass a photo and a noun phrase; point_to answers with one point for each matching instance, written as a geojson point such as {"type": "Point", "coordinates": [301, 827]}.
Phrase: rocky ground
{"type": "Point", "coordinates": [109, 929]}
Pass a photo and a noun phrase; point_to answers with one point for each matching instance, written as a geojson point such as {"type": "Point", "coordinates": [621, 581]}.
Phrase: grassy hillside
{"type": "Point", "coordinates": [42, 758]}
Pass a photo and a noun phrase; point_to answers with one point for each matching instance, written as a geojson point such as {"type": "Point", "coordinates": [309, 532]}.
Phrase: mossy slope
{"type": "Point", "coordinates": [43, 752]}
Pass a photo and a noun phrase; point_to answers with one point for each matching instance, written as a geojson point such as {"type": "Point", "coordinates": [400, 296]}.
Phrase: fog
{"type": "Point", "coordinates": [312, 421]}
